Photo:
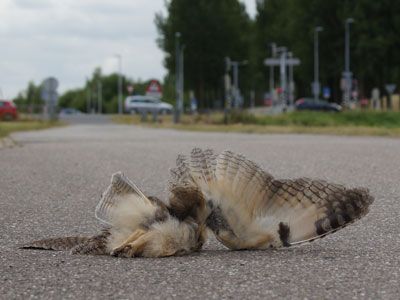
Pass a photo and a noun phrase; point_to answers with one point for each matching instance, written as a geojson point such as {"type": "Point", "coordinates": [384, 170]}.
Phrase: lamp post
{"type": "Point", "coordinates": [177, 77]}
{"type": "Point", "coordinates": [271, 70]}
{"type": "Point", "coordinates": [347, 74]}
{"type": "Point", "coordinates": [291, 82]}
{"type": "Point", "coordinates": [316, 85]}
{"type": "Point", "coordinates": [118, 56]}
{"type": "Point", "coordinates": [235, 70]}
{"type": "Point", "coordinates": [282, 51]}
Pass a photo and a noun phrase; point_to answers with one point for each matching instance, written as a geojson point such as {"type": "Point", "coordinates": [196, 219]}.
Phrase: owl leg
{"type": "Point", "coordinates": [133, 237]}
{"type": "Point", "coordinates": [132, 249]}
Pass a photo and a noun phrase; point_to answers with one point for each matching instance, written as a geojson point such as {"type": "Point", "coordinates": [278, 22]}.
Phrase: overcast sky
{"type": "Point", "coordinates": [69, 38]}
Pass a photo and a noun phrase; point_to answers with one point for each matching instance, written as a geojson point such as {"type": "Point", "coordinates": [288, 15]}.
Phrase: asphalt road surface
{"type": "Point", "coordinates": [51, 183]}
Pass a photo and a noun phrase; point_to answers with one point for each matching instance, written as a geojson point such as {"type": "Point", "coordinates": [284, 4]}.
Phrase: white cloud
{"type": "Point", "coordinates": [69, 38]}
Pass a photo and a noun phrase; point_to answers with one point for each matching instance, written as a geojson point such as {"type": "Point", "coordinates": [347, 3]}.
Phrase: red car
{"type": "Point", "coordinates": [8, 111]}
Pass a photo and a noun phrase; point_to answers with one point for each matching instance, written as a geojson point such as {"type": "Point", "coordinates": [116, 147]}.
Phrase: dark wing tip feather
{"type": "Point", "coordinates": [355, 205]}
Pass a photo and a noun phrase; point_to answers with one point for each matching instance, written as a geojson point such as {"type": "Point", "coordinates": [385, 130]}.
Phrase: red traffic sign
{"type": "Point", "coordinates": [154, 87]}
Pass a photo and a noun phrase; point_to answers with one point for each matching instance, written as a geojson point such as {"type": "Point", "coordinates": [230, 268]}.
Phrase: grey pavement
{"type": "Point", "coordinates": [50, 185]}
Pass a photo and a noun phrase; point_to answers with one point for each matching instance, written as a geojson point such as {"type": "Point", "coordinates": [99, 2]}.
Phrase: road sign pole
{"type": "Point", "coordinates": [99, 98]}
{"type": "Point", "coordinates": [291, 83]}
{"type": "Point", "coordinates": [390, 88]}
{"type": "Point", "coordinates": [50, 96]}
{"type": "Point", "coordinates": [283, 77]}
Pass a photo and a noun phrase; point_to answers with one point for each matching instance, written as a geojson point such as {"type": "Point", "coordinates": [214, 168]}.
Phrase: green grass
{"type": "Point", "coordinates": [24, 125]}
{"type": "Point", "coordinates": [344, 123]}
{"type": "Point", "coordinates": [320, 119]}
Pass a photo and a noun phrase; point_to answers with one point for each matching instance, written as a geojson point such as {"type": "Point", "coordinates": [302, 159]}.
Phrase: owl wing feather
{"type": "Point", "coordinates": [251, 209]}
{"type": "Point", "coordinates": [122, 203]}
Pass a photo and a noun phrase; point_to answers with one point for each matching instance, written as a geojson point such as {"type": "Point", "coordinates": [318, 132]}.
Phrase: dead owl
{"type": "Point", "coordinates": [244, 206]}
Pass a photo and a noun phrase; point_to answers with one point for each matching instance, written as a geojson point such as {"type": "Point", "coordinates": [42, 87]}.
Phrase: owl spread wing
{"type": "Point", "coordinates": [144, 226]}
{"type": "Point", "coordinates": [123, 203]}
{"type": "Point", "coordinates": [249, 209]}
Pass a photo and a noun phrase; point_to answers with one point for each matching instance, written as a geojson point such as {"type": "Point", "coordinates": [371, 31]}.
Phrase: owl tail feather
{"type": "Point", "coordinates": [57, 244]}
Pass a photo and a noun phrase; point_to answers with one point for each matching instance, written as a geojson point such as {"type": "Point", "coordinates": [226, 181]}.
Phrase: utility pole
{"type": "Point", "coordinates": [99, 97]}
{"type": "Point", "coordinates": [118, 56]}
{"type": "Point", "coordinates": [283, 58]}
{"type": "Point", "coordinates": [177, 78]}
{"type": "Point", "coordinates": [291, 82]}
{"type": "Point", "coordinates": [181, 78]}
{"type": "Point", "coordinates": [316, 85]}
{"type": "Point", "coordinates": [271, 72]}
{"type": "Point", "coordinates": [347, 75]}
{"type": "Point", "coordinates": [228, 94]}
{"type": "Point", "coordinates": [88, 100]}
{"type": "Point", "coordinates": [235, 70]}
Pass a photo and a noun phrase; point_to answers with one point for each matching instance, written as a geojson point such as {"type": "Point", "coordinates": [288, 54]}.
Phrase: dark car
{"type": "Point", "coordinates": [317, 105]}
{"type": "Point", "coordinates": [8, 110]}
{"type": "Point", "coordinates": [70, 111]}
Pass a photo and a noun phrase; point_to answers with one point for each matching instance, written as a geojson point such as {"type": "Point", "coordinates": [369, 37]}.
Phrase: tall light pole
{"type": "Point", "coordinates": [177, 78]}
{"type": "Point", "coordinates": [228, 94]}
{"type": "Point", "coordinates": [235, 70]}
{"type": "Point", "coordinates": [99, 97]}
{"type": "Point", "coordinates": [271, 71]}
{"type": "Point", "coordinates": [181, 77]}
{"type": "Point", "coordinates": [118, 56]}
{"type": "Point", "coordinates": [282, 51]}
{"type": "Point", "coordinates": [316, 85]}
{"type": "Point", "coordinates": [291, 82]}
{"type": "Point", "coordinates": [347, 74]}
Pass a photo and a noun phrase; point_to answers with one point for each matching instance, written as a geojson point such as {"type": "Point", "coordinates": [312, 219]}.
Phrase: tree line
{"type": "Point", "coordinates": [86, 98]}
{"type": "Point", "coordinates": [213, 30]}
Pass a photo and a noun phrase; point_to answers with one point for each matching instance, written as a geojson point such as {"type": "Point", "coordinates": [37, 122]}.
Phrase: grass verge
{"type": "Point", "coordinates": [345, 123]}
{"type": "Point", "coordinates": [24, 125]}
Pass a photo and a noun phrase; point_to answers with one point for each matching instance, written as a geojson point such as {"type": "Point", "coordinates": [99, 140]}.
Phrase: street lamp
{"type": "Point", "coordinates": [118, 56]}
{"type": "Point", "coordinates": [347, 74]}
{"type": "Point", "coordinates": [271, 70]}
{"type": "Point", "coordinates": [235, 69]}
{"type": "Point", "coordinates": [177, 78]}
{"type": "Point", "coordinates": [316, 85]}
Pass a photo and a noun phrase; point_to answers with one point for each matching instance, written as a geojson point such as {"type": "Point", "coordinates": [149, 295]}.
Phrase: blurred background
{"type": "Point", "coordinates": [176, 57]}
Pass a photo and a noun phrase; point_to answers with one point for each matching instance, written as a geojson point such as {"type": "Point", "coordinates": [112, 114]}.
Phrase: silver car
{"type": "Point", "coordinates": [138, 104]}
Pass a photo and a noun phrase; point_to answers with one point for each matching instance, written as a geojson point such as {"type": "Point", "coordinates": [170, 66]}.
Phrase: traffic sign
{"type": "Point", "coordinates": [316, 88]}
{"type": "Point", "coordinates": [154, 89]}
{"type": "Point", "coordinates": [326, 92]}
{"type": "Point", "coordinates": [390, 88]}
{"type": "Point", "coordinates": [50, 84]}
{"type": "Point", "coordinates": [50, 96]}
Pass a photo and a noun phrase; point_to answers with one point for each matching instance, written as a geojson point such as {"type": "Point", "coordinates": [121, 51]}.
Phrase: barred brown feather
{"type": "Point", "coordinates": [248, 208]}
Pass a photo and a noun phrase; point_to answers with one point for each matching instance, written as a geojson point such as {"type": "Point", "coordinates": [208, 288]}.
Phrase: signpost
{"type": "Point", "coordinates": [375, 95]}
{"type": "Point", "coordinates": [283, 62]}
{"type": "Point", "coordinates": [50, 96]}
{"type": "Point", "coordinates": [390, 88]}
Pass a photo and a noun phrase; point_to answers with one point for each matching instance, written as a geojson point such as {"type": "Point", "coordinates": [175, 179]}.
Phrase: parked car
{"type": "Point", "coordinates": [70, 111]}
{"type": "Point", "coordinates": [8, 110]}
{"type": "Point", "coordinates": [317, 105]}
{"type": "Point", "coordinates": [137, 104]}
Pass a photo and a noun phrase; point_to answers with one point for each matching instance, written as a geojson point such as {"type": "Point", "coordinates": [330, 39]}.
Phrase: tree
{"type": "Point", "coordinates": [374, 39]}
{"type": "Point", "coordinates": [29, 100]}
{"type": "Point", "coordinates": [210, 31]}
